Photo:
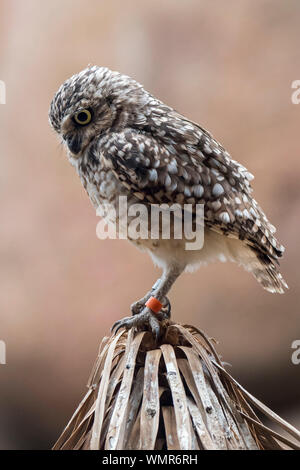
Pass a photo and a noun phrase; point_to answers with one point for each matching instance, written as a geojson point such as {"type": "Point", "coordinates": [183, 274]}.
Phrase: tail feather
{"type": "Point", "coordinates": [267, 274]}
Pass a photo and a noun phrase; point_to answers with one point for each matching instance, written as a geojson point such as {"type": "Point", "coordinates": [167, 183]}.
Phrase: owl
{"type": "Point", "coordinates": [123, 141]}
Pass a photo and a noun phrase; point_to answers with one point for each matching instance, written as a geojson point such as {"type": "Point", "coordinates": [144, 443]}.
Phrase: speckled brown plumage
{"type": "Point", "coordinates": [137, 146]}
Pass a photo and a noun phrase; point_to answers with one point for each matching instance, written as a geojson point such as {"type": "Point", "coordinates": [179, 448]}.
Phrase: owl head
{"type": "Point", "coordinates": [92, 102]}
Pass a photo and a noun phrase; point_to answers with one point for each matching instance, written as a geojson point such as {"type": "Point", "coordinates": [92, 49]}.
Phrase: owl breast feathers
{"type": "Point", "coordinates": [159, 156]}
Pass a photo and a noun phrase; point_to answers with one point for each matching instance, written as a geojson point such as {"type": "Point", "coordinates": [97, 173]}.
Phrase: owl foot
{"type": "Point", "coordinates": [138, 306]}
{"type": "Point", "coordinates": [145, 320]}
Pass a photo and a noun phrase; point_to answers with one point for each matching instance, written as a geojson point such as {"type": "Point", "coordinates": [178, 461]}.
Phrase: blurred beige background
{"type": "Point", "coordinates": [229, 66]}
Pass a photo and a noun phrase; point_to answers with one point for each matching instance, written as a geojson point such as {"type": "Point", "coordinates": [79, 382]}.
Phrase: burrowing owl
{"type": "Point", "coordinates": [124, 141]}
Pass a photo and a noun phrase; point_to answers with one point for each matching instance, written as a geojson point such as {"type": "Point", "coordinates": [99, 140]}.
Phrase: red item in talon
{"type": "Point", "coordinates": [154, 304]}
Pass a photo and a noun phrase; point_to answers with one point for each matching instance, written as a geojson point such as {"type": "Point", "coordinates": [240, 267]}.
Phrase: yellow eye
{"type": "Point", "coordinates": [83, 117]}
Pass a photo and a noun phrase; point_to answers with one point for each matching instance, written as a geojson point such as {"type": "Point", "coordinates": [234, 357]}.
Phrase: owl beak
{"type": "Point", "coordinates": [74, 143]}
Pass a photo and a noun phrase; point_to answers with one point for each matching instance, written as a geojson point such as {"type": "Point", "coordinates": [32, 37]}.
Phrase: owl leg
{"type": "Point", "coordinates": [170, 274]}
{"type": "Point", "coordinates": [146, 319]}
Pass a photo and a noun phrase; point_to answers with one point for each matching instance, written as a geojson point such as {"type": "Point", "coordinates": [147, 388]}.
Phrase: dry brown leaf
{"type": "Point", "coordinates": [173, 394]}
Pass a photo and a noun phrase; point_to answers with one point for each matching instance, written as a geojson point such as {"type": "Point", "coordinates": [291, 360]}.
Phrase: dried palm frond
{"type": "Point", "coordinates": [174, 394]}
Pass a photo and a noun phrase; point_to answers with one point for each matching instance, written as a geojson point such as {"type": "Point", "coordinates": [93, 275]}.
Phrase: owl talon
{"type": "Point", "coordinates": [154, 326]}
{"type": "Point", "coordinates": [166, 310]}
{"type": "Point", "coordinates": [142, 321]}
{"type": "Point", "coordinates": [119, 324]}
